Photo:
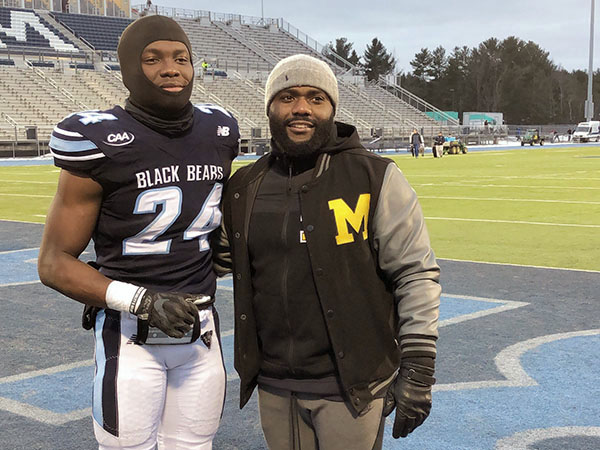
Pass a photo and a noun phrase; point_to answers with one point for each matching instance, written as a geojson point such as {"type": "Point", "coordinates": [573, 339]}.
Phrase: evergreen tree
{"type": "Point", "coordinates": [439, 63]}
{"type": "Point", "coordinates": [377, 60]}
{"type": "Point", "coordinates": [512, 76]}
{"type": "Point", "coordinates": [422, 64]}
{"type": "Point", "coordinates": [343, 49]}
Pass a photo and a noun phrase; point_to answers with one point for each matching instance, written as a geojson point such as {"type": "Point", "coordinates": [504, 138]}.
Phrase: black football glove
{"type": "Point", "coordinates": [173, 313]}
{"type": "Point", "coordinates": [410, 395]}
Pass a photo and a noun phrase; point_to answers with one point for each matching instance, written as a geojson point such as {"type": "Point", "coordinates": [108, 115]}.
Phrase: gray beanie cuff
{"type": "Point", "coordinates": [301, 70]}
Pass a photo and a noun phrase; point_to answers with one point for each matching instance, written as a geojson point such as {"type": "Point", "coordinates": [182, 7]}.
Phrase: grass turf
{"type": "Point", "coordinates": [536, 206]}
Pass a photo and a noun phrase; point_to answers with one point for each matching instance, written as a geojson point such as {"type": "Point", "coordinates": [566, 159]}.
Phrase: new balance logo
{"type": "Point", "coordinates": [119, 139]}
{"type": "Point", "coordinates": [222, 131]}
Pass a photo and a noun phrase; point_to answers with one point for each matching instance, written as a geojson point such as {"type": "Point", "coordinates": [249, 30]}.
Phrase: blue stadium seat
{"type": "Point", "coordinates": [101, 32]}
{"type": "Point", "coordinates": [25, 29]}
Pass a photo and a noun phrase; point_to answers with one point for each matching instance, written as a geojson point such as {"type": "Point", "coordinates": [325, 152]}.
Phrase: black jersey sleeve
{"type": "Point", "coordinates": [71, 145]}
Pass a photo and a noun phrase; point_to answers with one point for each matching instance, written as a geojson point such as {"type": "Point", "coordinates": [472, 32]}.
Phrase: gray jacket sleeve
{"type": "Point", "coordinates": [407, 260]}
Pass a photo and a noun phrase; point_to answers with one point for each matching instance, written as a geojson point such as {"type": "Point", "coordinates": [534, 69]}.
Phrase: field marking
{"type": "Point", "coordinates": [21, 283]}
{"type": "Point", "coordinates": [519, 265]}
{"type": "Point", "coordinates": [510, 177]}
{"type": "Point", "coordinates": [508, 363]}
{"type": "Point", "coordinates": [30, 182]}
{"type": "Point", "coordinates": [505, 305]}
{"type": "Point", "coordinates": [42, 415]}
{"type": "Point", "coordinates": [524, 440]}
{"type": "Point", "coordinates": [3, 219]}
{"type": "Point", "coordinates": [6, 252]}
{"type": "Point", "coordinates": [511, 199]}
{"type": "Point", "coordinates": [444, 184]}
{"type": "Point", "coordinates": [47, 371]}
{"type": "Point", "coordinates": [520, 222]}
{"type": "Point", "coordinates": [26, 195]}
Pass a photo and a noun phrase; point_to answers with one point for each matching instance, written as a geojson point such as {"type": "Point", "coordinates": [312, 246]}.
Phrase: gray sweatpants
{"type": "Point", "coordinates": [297, 421]}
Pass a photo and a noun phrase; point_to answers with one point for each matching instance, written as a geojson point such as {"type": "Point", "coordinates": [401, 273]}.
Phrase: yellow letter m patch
{"type": "Point", "coordinates": [344, 216]}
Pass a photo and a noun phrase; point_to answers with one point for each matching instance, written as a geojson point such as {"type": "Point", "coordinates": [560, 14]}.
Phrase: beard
{"type": "Point", "coordinates": [321, 134]}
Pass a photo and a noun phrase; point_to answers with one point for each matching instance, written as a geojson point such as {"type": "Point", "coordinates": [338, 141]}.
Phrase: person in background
{"type": "Point", "coordinates": [336, 287]}
{"type": "Point", "coordinates": [416, 143]}
{"type": "Point", "coordinates": [438, 145]}
{"type": "Point", "coordinates": [145, 183]}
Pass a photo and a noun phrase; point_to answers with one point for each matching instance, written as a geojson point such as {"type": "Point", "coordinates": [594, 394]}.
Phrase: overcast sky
{"type": "Point", "coordinates": [560, 27]}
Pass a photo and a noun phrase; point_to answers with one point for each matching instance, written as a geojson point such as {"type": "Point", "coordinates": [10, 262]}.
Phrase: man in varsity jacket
{"type": "Point", "coordinates": [336, 287]}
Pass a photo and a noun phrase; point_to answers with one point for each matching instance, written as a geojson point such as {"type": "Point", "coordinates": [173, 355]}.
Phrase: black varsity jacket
{"type": "Point", "coordinates": [374, 270]}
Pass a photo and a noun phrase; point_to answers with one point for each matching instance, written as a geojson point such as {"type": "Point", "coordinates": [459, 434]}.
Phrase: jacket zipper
{"type": "Point", "coordinates": [286, 264]}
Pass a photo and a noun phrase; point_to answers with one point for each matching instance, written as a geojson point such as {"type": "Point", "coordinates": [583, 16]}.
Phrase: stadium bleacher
{"type": "Point", "coordinates": [42, 64]}
{"type": "Point", "coordinates": [20, 28]}
{"type": "Point", "coordinates": [239, 55]}
{"type": "Point", "coordinates": [87, 66]}
{"type": "Point", "coordinates": [100, 31]}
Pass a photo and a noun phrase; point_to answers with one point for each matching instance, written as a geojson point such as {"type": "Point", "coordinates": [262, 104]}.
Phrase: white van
{"type": "Point", "coordinates": [587, 132]}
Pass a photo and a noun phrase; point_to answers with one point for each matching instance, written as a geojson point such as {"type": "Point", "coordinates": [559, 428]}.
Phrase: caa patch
{"type": "Point", "coordinates": [119, 139]}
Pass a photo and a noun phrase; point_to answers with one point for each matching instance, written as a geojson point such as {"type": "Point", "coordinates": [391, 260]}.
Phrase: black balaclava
{"type": "Point", "coordinates": [169, 113]}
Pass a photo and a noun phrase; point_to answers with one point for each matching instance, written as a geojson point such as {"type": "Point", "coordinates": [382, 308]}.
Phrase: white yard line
{"type": "Point", "coordinates": [518, 265]}
{"type": "Point", "coordinates": [29, 182]}
{"type": "Point", "coordinates": [6, 252]}
{"type": "Point", "coordinates": [520, 222]}
{"type": "Point", "coordinates": [508, 363]}
{"type": "Point", "coordinates": [47, 371]}
{"type": "Point", "coordinates": [23, 283]}
{"type": "Point", "coordinates": [42, 415]}
{"type": "Point", "coordinates": [510, 199]}
{"type": "Point", "coordinates": [548, 176]}
{"type": "Point", "coordinates": [504, 305]}
{"type": "Point", "coordinates": [2, 219]}
{"type": "Point", "coordinates": [525, 440]}
{"type": "Point", "coordinates": [26, 195]}
{"type": "Point", "coordinates": [516, 186]}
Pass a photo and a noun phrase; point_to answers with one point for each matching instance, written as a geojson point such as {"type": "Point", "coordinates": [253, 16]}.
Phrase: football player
{"type": "Point", "coordinates": [145, 182]}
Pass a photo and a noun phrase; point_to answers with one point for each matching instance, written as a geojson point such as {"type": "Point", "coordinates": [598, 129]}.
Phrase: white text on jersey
{"type": "Point", "coordinates": [161, 175]}
{"type": "Point", "coordinates": [170, 174]}
{"type": "Point", "coordinates": [204, 172]}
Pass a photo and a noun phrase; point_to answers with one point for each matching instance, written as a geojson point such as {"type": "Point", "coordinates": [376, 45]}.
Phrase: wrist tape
{"type": "Point", "coordinates": [124, 296]}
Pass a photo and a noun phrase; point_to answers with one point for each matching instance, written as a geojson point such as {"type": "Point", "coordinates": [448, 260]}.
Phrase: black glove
{"type": "Point", "coordinates": [173, 313]}
{"type": "Point", "coordinates": [410, 395]}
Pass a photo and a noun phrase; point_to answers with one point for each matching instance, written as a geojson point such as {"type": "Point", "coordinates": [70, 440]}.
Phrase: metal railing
{"type": "Point", "coordinates": [340, 65]}
{"type": "Point", "coordinates": [60, 89]}
{"type": "Point", "coordinates": [181, 13]}
{"type": "Point", "coordinates": [15, 140]}
{"type": "Point", "coordinates": [249, 43]}
{"type": "Point", "coordinates": [9, 119]}
{"type": "Point", "coordinates": [411, 99]}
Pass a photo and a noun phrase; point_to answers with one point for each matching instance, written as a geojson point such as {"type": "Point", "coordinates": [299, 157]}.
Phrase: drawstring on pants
{"type": "Point", "coordinates": [294, 425]}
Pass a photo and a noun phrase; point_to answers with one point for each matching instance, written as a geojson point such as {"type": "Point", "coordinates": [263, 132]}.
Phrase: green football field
{"type": "Point", "coordinates": [539, 206]}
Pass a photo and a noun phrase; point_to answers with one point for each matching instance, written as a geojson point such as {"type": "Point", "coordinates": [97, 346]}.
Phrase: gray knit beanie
{"type": "Point", "coordinates": [301, 70]}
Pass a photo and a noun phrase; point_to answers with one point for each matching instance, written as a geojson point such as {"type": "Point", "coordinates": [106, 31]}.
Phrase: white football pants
{"type": "Point", "coordinates": [148, 395]}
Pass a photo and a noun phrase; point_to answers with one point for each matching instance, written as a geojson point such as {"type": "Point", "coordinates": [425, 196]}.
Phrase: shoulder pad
{"type": "Point", "coordinates": [80, 121]}
{"type": "Point", "coordinates": [209, 108]}
{"type": "Point", "coordinates": [74, 139]}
